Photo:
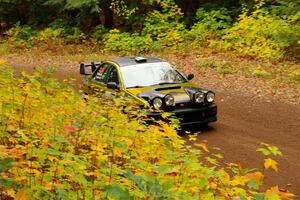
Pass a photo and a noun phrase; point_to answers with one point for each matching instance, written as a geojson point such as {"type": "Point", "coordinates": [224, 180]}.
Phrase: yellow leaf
{"type": "Point", "coordinates": [117, 151]}
{"type": "Point", "coordinates": [270, 163]}
{"type": "Point", "coordinates": [203, 146]}
{"type": "Point", "coordinates": [256, 176]}
{"type": "Point", "coordinates": [224, 177]}
{"type": "Point", "coordinates": [102, 157]}
{"type": "Point", "coordinates": [175, 169]}
{"type": "Point", "coordinates": [11, 128]}
{"type": "Point", "coordinates": [2, 62]}
{"type": "Point", "coordinates": [212, 160]}
{"type": "Point", "coordinates": [58, 185]}
{"type": "Point", "coordinates": [272, 191]}
{"type": "Point", "coordinates": [107, 179]}
{"type": "Point", "coordinates": [35, 172]}
{"type": "Point", "coordinates": [238, 180]}
{"type": "Point", "coordinates": [22, 195]}
{"type": "Point", "coordinates": [192, 137]}
{"type": "Point", "coordinates": [218, 156]}
{"type": "Point", "coordinates": [52, 158]}
{"type": "Point", "coordinates": [286, 195]}
{"type": "Point", "coordinates": [11, 193]}
{"type": "Point", "coordinates": [24, 74]}
{"type": "Point", "coordinates": [82, 167]}
{"type": "Point", "coordinates": [216, 148]}
{"type": "Point", "coordinates": [276, 191]}
{"type": "Point", "coordinates": [212, 185]}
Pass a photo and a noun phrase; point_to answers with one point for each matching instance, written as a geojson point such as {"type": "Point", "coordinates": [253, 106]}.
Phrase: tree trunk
{"type": "Point", "coordinates": [108, 14]}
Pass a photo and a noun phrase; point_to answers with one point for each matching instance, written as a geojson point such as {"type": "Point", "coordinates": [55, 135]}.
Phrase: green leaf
{"type": "Point", "coordinates": [268, 150]}
{"type": "Point", "coordinates": [258, 197]}
{"type": "Point", "coordinates": [154, 188]}
{"type": "Point", "coordinates": [7, 183]}
{"type": "Point", "coordinates": [164, 169]}
{"type": "Point", "coordinates": [264, 151]}
{"type": "Point", "coordinates": [242, 197]}
{"type": "Point", "coordinates": [117, 192]}
{"type": "Point", "coordinates": [5, 164]}
{"type": "Point", "coordinates": [252, 184]}
{"type": "Point", "coordinates": [202, 183]}
{"type": "Point", "coordinates": [275, 151]}
{"type": "Point", "coordinates": [80, 179]}
{"type": "Point", "coordinates": [212, 160]}
{"type": "Point", "coordinates": [136, 179]}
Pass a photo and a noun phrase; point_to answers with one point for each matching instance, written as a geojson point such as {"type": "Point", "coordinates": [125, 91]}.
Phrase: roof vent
{"type": "Point", "coordinates": [140, 59]}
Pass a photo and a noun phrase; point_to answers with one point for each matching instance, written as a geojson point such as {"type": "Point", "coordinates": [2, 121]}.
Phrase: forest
{"type": "Point", "coordinates": [264, 29]}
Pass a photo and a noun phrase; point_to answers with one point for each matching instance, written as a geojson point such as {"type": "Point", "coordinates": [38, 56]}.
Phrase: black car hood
{"type": "Point", "coordinates": [182, 94]}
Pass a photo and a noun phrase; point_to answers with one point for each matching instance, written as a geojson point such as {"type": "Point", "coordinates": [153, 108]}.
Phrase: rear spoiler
{"type": "Point", "coordinates": [93, 66]}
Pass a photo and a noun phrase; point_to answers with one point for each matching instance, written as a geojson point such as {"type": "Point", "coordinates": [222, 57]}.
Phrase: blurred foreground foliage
{"type": "Point", "coordinates": [57, 144]}
{"type": "Point", "coordinates": [259, 28]}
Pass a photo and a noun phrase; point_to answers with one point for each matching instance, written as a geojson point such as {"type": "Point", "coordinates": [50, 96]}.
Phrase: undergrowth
{"type": "Point", "coordinates": [257, 33]}
{"type": "Point", "coordinates": [58, 144]}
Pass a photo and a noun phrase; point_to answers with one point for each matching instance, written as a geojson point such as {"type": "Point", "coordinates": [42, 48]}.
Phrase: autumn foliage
{"type": "Point", "coordinates": [260, 29]}
{"type": "Point", "coordinates": [55, 144]}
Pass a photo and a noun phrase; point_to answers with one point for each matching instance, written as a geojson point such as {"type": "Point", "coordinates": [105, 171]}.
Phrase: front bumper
{"type": "Point", "coordinates": [192, 116]}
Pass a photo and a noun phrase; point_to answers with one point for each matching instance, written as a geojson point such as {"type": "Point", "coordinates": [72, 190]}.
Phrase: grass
{"type": "Point", "coordinates": [261, 73]}
{"type": "Point", "coordinates": [220, 67]}
{"type": "Point", "coordinates": [295, 75]}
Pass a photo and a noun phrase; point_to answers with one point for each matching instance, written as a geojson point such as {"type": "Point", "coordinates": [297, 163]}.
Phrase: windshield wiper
{"type": "Point", "coordinates": [136, 86]}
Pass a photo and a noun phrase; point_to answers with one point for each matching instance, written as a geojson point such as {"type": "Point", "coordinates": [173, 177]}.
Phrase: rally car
{"type": "Point", "coordinates": [153, 83]}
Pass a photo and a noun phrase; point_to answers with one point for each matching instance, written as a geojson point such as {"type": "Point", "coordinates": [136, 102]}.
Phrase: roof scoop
{"type": "Point", "coordinates": [140, 59]}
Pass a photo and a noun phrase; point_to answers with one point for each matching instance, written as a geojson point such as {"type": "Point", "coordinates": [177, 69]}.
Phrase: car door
{"type": "Point", "coordinates": [104, 74]}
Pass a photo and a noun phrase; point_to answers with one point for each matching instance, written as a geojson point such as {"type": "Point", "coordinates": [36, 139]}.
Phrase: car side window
{"type": "Point", "coordinates": [100, 74]}
{"type": "Point", "coordinates": [106, 73]}
{"type": "Point", "coordinates": [112, 75]}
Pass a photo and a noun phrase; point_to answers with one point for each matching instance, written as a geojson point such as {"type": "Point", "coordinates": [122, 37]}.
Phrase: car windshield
{"type": "Point", "coordinates": [148, 74]}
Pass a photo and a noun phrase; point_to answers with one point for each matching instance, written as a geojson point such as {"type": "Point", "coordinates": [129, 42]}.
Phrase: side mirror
{"type": "Point", "coordinates": [83, 70]}
{"type": "Point", "coordinates": [190, 76]}
{"type": "Point", "coordinates": [88, 68]}
{"type": "Point", "coordinates": [112, 85]}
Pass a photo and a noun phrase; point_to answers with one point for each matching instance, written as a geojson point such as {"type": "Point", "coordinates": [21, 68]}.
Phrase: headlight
{"type": "Point", "coordinates": [199, 97]}
{"type": "Point", "coordinates": [169, 100]}
{"type": "Point", "coordinates": [210, 97]}
{"type": "Point", "coordinates": [157, 103]}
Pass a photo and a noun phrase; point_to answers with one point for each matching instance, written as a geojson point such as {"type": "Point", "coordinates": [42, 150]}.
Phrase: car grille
{"type": "Point", "coordinates": [183, 105]}
{"type": "Point", "coordinates": [197, 115]}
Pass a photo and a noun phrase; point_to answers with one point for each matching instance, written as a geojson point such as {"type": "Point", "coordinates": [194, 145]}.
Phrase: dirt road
{"type": "Point", "coordinates": [244, 122]}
